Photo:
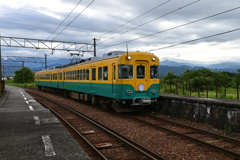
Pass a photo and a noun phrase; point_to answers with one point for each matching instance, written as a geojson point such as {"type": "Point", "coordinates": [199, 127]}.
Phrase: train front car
{"type": "Point", "coordinates": [137, 85]}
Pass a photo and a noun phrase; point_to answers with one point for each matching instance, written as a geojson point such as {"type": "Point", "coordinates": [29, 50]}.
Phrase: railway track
{"type": "Point", "coordinates": [223, 144]}
{"type": "Point", "coordinates": [64, 112]}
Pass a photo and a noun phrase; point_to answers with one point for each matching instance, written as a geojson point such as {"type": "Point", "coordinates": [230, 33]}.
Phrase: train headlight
{"type": "Point", "coordinates": [141, 87]}
{"type": "Point", "coordinates": [129, 58]}
{"type": "Point", "coordinates": [153, 58]}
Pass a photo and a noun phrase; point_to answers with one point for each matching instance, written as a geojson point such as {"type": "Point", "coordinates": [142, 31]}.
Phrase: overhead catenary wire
{"type": "Point", "coordinates": [63, 20]}
{"type": "Point", "coordinates": [195, 40]}
{"type": "Point", "coordinates": [136, 18]}
{"type": "Point", "coordinates": [179, 8]}
{"type": "Point", "coordinates": [73, 20]}
{"type": "Point", "coordinates": [173, 27]}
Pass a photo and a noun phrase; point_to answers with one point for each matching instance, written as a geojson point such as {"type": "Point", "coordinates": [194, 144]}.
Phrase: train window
{"type": "Point", "coordinates": [99, 73]}
{"type": "Point", "coordinates": [87, 74]}
{"type": "Point", "coordinates": [48, 76]}
{"type": "Point", "coordinates": [93, 73]}
{"type": "Point", "coordinates": [154, 72]}
{"type": "Point", "coordinates": [80, 72]}
{"type": "Point", "coordinates": [125, 71]}
{"type": "Point", "coordinates": [140, 72]}
{"type": "Point", "coordinates": [67, 75]}
{"type": "Point", "coordinates": [105, 73]}
{"type": "Point", "coordinates": [60, 76]}
{"type": "Point", "coordinates": [84, 74]}
{"type": "Point", "coordinates": [54, 76]}
{"type": "Point", "coordinates": [77, 75]}
{"type": "Point", "coordinates": [72, 75]}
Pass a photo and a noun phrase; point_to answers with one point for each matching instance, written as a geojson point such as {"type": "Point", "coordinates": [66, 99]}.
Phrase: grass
{"type": "Point", "coordinates": [10, 82]}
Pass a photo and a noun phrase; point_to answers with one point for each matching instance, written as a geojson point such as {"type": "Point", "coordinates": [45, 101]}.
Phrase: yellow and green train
{"type": "Point", "coordinates": [124, 81]}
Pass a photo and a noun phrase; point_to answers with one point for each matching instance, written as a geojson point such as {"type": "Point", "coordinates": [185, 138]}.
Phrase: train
{"type": "Point", "coordinates": [124, 81]}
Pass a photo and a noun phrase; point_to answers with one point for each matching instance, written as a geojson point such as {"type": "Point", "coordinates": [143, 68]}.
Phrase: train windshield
{"type": "Point", "coordinates": [154, 72]}
{"type": "Point", "coordinates": [125, 71]}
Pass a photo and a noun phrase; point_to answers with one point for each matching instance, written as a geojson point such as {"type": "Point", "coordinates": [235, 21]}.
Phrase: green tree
{"type": "Point", "coordinates": [171, 78]}
{"type": "Point", "coordinates": [203, 78]}
{"type": "Point", "coordinates": [28, 75]}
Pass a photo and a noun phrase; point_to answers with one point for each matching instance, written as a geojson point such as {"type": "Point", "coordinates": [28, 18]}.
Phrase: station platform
{"type": "Point", "coordinates": [30, 131]}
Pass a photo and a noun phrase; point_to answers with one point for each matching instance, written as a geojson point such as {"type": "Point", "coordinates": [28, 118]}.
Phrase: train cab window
{"type": "Point", "coordinates": [140, 72]}
{"type": "Point", "coordinates": [99, 73]}
{"type": "Point", "coordinates": [154, 72]}
{"type": "Point", "coordinates": [94, 74]}
{"type": "Point", "coordinates": [125, 71]}
{"type": "Point", "coordinates": [105, 73]}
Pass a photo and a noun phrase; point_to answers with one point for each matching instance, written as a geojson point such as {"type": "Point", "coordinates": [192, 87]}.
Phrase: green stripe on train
{"type": "Point", "coordinates": [118, 91]}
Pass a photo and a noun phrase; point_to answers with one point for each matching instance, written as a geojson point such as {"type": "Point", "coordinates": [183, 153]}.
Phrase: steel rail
{"type": "Point", "coordinates": [127, 142]}
{"type": "Point", "coordinates": [225, 151]}
{"type": "Point", "coordinates": [93, 148]}
{"type": "Point", "coordinates": [199, 130]}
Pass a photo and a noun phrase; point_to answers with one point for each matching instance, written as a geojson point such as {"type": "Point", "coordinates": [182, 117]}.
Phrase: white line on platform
{"type": "Point", "coordinates": [49, 151]}
{"type": "Point", "coordinates": [20, 91]}
{"type": "Point", "coordinates": [25, 98]}
{"type": "Point", "coordinates": [31, 108]}
{"type": "Point", "coordinates": [27, 102]}
{"type": "Point", "coordinates": [37, 120]}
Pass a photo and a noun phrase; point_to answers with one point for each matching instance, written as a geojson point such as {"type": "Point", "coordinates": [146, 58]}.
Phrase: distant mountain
{"type": "Point", "coordinates": [175, 64]}
{"type": "Point", "coordinates": [228, 65]}
{"type": "Point", "coordinates": [163, 70]}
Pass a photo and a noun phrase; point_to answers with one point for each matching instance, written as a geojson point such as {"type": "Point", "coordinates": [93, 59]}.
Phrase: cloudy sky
{"type": "Point", "coordinates": [145, 25]}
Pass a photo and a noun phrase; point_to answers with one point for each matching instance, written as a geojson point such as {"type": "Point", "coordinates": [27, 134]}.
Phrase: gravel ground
{"type": "Point", "coordinates": [162, 143]}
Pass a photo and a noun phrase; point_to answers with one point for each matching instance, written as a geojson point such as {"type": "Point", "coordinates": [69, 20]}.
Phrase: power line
{"type": "Point", "coordinates": [134, 18]}
{"type": "Point", "coordinates": [74, 19]}
{"type": "Point", "coordinates": [65, 19]}
{"type": "Point", "coordinates": [150, 21]}
{"type": "Point", "coordinates": [174, 27]}
{"type": "Point", "coordinates": [195, 40]}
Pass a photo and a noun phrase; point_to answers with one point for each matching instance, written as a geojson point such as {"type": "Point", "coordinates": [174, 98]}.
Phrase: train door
{"type": "Point", "coordinates": [64, 78]}
{"type": "Point", "coordinates": [60, 79]}
{"type": "Point", "coordinates": [141, 73]}
{"type": "Point", "coordinates": [114, 79]}
{"type": "Point", "coordinates": [93, 79]}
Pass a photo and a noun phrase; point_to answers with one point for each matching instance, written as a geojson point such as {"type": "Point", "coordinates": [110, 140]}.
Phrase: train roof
{"type": "Point", "coordinates": [88, 60]}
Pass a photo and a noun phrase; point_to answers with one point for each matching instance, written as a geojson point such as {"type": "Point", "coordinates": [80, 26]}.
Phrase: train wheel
{"type": "Point", "coordinates": [103, 103]}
